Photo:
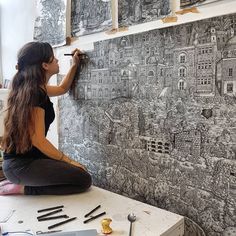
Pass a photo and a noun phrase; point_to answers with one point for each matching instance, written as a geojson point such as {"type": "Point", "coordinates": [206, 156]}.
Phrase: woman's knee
{"type": "Point", "coordinates": [87, 180]}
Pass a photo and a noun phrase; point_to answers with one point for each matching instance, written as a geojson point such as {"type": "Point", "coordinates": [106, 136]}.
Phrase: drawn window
{"type": "Point", "coordinates": [229, 87]}
{"type": "Point", "coordinates": [181, 85]}
{"type": "Point", "coordinates": [100, 92]}
{"type": "Point", "coordinates": [118, 92]}
{"type": "Point", "coordinates": [189, 29]}
{"type": "Point", "coordinates": [100, 64]}
{"type": "Point", "coordinates": [182, 72]}
{"type": "Point", "coordinates": [89, 88]}
{"type": "Point", "coordinates": [124, 41]}
{"type": "Point", "coordinates": [94, 92]}
{"type": "Point", "coordinates": [230, 72]}
{"type": "Point", "coordinates": [209, 80]}
{"type": "Point", "coordinates": [106, 92]}
{"type": "Point", "coordinates": [182, 58]}
{"type": "Point", "coordinates": [151, 73]}
{"type": "Point", "coordinates": [162, 72]}
{"type": "Point", "coordinates": [144, 38]}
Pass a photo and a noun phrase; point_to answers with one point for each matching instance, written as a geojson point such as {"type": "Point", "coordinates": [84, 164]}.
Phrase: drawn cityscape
{"type": "Point", "coordinates": [186, 3]}
{"type": "Point", "coordinates": [90, 16]}
{"type": "Point", "coordinates": [140, 11]}
{"type": "Point", "coordinates": [50, 23]}
{"type": "Point", "coordinates": [153, 117]}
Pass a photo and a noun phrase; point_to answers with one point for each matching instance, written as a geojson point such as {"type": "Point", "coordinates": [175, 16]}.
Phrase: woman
{"type": "Point", "coordinates": [32, 165]}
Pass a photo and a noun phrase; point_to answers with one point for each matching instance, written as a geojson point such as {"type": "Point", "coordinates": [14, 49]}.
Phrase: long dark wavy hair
{"type": "Point", "coordinates": [25, 87]}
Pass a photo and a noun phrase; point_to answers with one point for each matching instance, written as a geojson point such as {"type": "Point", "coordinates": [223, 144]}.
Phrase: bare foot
{"type": "Point", "coordinates": [11, 189]}
{"type": "Point", "coordinates": [4, 182]}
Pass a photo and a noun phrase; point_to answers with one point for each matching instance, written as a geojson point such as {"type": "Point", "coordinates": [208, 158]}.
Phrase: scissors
{"type": "Point", "coordinates": [47, 232]}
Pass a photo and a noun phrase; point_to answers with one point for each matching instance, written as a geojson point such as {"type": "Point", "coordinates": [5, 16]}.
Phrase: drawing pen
{"type": "Point", "coordinates": [94, 217]}
{"type": "Point", "coordinates": [49, 214]}
{"type": "Point", "coordinates": [51, 208]}
{"type": "Point", "coordinates": [92, 211]}
{"type": "Point", "coordinates": [72, 54]}
{"type": "Point", "coordinates": [61, 223]}
{"type": "Point", "coordinates": [53, 217]}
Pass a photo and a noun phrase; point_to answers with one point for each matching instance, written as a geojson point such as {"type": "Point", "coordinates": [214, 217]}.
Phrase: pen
{"type": "Point", "coordinates": [61, 223]}
{"type": "Point", "coordinates": [92, 211]}
{"type": "Point", "coordinates": [51, 208]}
{"type": "Point", "coordinates": [94, 217]}
{"type": "Point", "coordinates": [49, 214]}
{"type": "Point", "coordinates": [72, 54]}
{"type": "Point", "coordinates": [53, 217]}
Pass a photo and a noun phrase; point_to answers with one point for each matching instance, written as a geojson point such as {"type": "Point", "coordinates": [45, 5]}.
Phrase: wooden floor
{"type": "Point", "coordinates": [150, 220]}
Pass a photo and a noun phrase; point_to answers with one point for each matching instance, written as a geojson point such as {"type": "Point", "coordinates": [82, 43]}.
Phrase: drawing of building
{"type": "Point", "coordinates": [226, 70]}
{"type": "Point", "coordinates": [140, 11]}
{"type": "Point", "coordinates": [188, 142]}
{"type": "Point", "coordinates": [184, 69]}
{"type": "Point", "coordinates": [90, 16]}
{"type": "Point", "coordinates": [184, 3]}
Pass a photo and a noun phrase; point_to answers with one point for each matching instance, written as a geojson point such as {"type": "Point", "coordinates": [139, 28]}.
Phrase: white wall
{"type": "Point", "coordinates": [17, 24]}
{"type": "Point", "coordinates": [17, 21]}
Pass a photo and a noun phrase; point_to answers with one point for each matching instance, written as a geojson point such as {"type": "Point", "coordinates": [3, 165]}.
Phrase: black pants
{"type": "Point", "coordinates": [46, 176]}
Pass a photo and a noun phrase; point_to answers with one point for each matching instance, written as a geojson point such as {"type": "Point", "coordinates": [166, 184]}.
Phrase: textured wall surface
{"type": "Point", "coordinates": [154, 117]}
{"type": "Point", "coordinates": [90, 16]}
{"type": "Point", "coordinates": [135, 12]}
{"type": "Point", "coordinates": [50, 23]}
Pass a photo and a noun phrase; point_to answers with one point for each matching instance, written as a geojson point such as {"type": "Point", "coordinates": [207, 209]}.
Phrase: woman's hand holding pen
{"type": "Point", "coordinates": [76, 58]}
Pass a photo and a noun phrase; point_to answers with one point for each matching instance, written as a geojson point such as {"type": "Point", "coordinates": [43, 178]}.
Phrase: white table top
{"type": "Point", "coordinates": [150, 220]}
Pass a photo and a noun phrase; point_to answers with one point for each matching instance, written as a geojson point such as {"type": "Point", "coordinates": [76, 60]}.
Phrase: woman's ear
{"type": "Point", "coordinates": [45, 66]}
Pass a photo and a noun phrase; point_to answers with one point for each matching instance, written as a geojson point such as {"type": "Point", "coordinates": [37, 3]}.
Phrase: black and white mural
{"type": "Point", "coordinates": [153, 117]}
{"type": "Point", "coordinates": [50, 23]}
{"type": "Point", "coordinates": [140, 11]}
{"type": "Point", "coordinates": [90, 16]}
{"type": "Point", "coordinates": [188, 3]}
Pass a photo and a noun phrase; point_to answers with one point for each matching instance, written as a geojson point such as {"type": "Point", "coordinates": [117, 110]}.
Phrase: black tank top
{"type": "Point", "coordinates": [43, 101]}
